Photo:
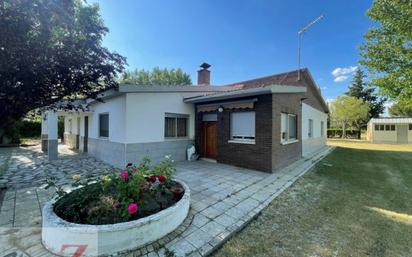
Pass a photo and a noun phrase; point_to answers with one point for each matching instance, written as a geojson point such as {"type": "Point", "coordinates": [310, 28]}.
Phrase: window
{"type": "Point", "coordinates": [410, 126]}
{"type": "Point", "coordinates": [242, 126]}
{"type": "Point", "coordinates": [387, 127]}
{"type": "Point", "coordinates": [104, 125]}
{"type": "Point", "coordinates": [288, 127]}
{"type": "Point", "coordinates": [382, 127]}
{"type": "Point", "coordinates": [176, 125]}
{"type": "Point", "coordinates": [322, 129]}
{"type": "Point", "coordinates": [310, 128]}
{"type": "Point", "coordinates": [393, 128]}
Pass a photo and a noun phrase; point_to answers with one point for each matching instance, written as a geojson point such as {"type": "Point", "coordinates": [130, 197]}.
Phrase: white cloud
{"type": "Point", "coordinates": [344, 71]}
{"type": "Point", "coordinates": [342, 74]}
{"type": "Point", "coordinates": [340, 78]}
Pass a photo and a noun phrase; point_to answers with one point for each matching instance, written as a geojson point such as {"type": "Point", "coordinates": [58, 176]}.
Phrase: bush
{"type": "Point", "coordinates": [337, 133]}
{"type": "Point", "coordinates": [30, 129]}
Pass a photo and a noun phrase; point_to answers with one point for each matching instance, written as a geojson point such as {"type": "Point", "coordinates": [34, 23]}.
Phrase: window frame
{"type": "Point", "coordinates": [246, 139]}
{"type": "Point", "coordinates": [108, 125]}
{"type": "Point", "coordinates": [285, 135]}
{"type": "Point", "coordinates": [310, 128]}
{"type": "Point", "coordinates": [322, 129]}
{"type": "Point", "coordinates": [176, 116]}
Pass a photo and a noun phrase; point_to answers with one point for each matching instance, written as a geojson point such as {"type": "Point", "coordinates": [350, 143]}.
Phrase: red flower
{"type": "Point", "coordinates": [152, 179]}
{"type": "Point", "coordinates": [124, 175]}
{"type": "Point", "coordinates": [132, 208]}
{"type": "Point", "coordinates": [162, 178]}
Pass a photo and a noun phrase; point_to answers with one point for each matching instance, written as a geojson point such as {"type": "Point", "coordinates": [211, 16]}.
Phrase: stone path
{"type": "Point", "coordinates": [28, 166]}
{"type": "Point", "coordinates": [224, 199]}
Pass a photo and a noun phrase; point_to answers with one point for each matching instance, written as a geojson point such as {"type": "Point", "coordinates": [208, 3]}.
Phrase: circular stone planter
{"type": "Point", "coordinates": [65, 238]}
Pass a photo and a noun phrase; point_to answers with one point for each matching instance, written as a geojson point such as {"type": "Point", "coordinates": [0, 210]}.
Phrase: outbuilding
{"type": "Point", "coordinates": [390, 130]}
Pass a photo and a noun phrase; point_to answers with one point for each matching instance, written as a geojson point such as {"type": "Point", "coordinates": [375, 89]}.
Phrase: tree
{"type": "Point", "coordinates": [51, 50]}
{"type": "Point", "coordinates": [387, 52]}
{"type": "Point", "coordinates": [348, 111]}
{"type": "Point", "coordinates": [398, 110]}
{"type": "Point", "coordinates": [360, 90]}
{"type": "Point", "coordinates": [157, 77]}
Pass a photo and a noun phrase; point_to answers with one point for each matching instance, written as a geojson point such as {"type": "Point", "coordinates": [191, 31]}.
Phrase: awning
{"type": "Point", "coordinates": [241, 104]}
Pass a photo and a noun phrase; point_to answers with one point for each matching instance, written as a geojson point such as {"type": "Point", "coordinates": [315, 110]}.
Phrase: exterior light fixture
{"type": "Point", "coordinates": [220, 109]}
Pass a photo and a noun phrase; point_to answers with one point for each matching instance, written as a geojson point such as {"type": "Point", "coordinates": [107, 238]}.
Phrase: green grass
{"type": "Point", "coordinates": [354, 203]}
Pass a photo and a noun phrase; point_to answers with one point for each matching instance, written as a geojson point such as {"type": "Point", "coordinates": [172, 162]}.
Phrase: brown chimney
{"type": "Point", "coordinates": [203, 75]}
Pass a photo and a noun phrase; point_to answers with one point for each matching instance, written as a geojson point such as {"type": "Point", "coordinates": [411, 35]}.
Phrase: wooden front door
{"type": "Point", "coordinates": [209, 139]}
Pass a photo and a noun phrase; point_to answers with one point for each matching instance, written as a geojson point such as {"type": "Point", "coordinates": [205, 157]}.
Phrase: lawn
{"type": "Point", "coordinates": [356, 202]}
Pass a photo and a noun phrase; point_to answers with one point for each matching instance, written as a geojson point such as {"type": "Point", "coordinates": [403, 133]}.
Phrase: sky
{"type": "Point", "coordinates": [240, 39]}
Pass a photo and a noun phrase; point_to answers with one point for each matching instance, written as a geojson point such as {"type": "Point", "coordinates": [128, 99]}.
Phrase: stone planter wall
{"type": "Point", "coordinates": [64, 238]}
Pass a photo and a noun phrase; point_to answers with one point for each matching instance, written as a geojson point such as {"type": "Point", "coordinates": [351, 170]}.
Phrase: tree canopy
{"type": "Point", "coordinates": [360, 90]}
{"type": "Point", "coordinates": [348, 111]}
{"type": "Point", "coordinates": [50, 50]}
{"type": "Point", "coordinates": [398, 110]}
{"type": "Point", "coordinates": [157, 77]}
{"type": "Point", "coordinates": [387, 52]}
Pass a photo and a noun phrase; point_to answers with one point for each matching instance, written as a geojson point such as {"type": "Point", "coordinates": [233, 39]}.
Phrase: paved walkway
{"type": "Point", "coordinates": [28, 166]}
{"type": "Point", "coordinates": [224, 199]}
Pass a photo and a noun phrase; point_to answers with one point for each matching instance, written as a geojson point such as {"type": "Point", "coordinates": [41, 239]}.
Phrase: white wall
{"type": "Point", "coordinates": [145, 115]}
{"type": "Point", "coordinates": [116, 108]}
{"type": "Point", "coordinates": [310, 145]}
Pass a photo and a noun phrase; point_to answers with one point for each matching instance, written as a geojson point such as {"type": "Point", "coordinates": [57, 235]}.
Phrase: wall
{"type": "Point", "coordinates": [253, 156]}
{"type": "Point", "coordinates": [311, 145]}
{"type": "Point", "coordinates": [285, 154]}
{"type": "Point", "coordinates": [145, 115]}
{"type": "Point", "coordinates": [116, 107]}
{"type": "Point", "coordinates": [384, 136]}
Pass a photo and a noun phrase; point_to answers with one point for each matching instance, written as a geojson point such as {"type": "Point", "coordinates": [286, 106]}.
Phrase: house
{"type": "Point", "coordinates": [390, 130]}
{"type": "Point", "coordinates": [264, 124]}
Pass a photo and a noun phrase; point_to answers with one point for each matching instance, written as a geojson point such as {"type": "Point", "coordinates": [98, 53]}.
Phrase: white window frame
{"type": "Point", "coordinates": [310, 128]}
{"type": "Point", "coordinates": [243, 139]}
{"type": "Point", "coordinates": [176, 116]}
{"type": "Point", "coordinates": [322, 128]}
{"type": "Point", "coordinates": [284, 134]}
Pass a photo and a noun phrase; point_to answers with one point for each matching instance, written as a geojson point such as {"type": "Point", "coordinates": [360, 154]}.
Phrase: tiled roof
{"type": "Point", "coordinates": [289, 78]}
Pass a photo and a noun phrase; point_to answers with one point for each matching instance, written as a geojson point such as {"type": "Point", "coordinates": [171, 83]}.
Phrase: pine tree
{"type": "Point", "coordinates": [359, 89]}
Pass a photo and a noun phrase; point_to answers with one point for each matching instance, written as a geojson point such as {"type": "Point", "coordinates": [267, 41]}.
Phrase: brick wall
{"type": "Point", "coordinates": [283, 155]}
{"type": "Point", "coordinates": [253, 156]}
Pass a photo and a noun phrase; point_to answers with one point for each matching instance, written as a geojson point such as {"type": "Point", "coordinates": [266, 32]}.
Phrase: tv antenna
{"type": "Point", "coordinates": [300, 33]}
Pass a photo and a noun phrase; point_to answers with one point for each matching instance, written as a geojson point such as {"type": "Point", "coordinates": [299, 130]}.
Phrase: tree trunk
{"type": "Point", "coordinates": [344, 130]}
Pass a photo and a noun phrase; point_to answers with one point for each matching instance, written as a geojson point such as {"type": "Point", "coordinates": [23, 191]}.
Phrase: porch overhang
{"type": "Point", "coordinates": [273, 89]}
{"type": "Point", "coordinates": [240, 104]}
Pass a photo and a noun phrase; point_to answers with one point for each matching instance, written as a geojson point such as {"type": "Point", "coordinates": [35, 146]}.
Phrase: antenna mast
{"type": "Point", "coordinates": [300, 33]}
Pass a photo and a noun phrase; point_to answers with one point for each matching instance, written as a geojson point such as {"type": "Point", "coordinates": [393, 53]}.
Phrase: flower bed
{"type": "Point", "coordinates": [118, 212]}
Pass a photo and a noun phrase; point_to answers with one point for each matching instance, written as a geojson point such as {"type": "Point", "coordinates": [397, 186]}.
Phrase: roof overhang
{"type": "Point", "coordinates": [388, 120]}
{"type": "Point", "coordinates": [273, 89]}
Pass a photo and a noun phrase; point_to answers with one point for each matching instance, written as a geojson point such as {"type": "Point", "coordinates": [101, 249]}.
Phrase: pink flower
{"type": "Point", "coordinates": [116, 205]}
{"type": "Point", "coordinates": [152, 179]}
{"type": "Point", "coordinates": [162, 178]}
{"type": "Point", "coordinates": [124, 175]}
{"type": "Point", "coordinates": [132, 208]}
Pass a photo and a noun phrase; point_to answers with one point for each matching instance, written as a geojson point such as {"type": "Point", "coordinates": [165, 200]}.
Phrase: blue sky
{"type": "Point", "coordinates": [240, 39]}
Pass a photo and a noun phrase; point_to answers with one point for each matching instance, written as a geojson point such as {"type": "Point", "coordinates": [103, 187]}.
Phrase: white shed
{"type": "Point", "coordinates": [390, 130]}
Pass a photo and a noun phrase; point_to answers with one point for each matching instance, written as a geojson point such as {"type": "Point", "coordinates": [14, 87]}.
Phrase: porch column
{"type": "Point", "coordinates": [44, 132]}
{"type": "Point", "coordinates": [52, 135]}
